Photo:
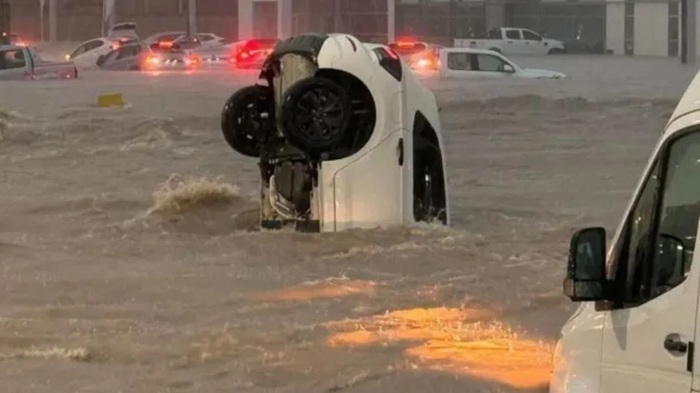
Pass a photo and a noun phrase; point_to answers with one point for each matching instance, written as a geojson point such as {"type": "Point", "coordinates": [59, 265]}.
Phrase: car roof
{"type": "Point", "coordinates": [6, 47]}
{"type": "Point", "coordinates": [471, 50]}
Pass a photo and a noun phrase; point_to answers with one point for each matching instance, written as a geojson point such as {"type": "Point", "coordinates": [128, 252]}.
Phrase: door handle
{"type": "Point", "coordinates": [673, 343]}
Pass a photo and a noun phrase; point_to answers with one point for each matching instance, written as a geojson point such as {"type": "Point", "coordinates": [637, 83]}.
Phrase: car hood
{"type": "Point", "coordinates": [540, 74]}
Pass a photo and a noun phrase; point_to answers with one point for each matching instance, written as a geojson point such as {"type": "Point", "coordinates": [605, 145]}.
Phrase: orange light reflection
{"type": "Point", "coordinates": [456, 341]}
{"type": "Point", "coordinates": [320, 290]}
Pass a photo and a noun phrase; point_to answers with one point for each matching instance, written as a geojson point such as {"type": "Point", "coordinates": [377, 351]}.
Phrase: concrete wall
{"type": "Point", "coordinates": [651, 29]}
{"type": "Point", "coordinates": [615, 28]}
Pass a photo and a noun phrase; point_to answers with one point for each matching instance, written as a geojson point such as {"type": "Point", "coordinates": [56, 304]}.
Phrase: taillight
{"type": "Point", "coordinates": [192, 60]}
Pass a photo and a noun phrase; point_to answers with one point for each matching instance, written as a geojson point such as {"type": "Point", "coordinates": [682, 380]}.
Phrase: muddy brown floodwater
{"type": "Point", "coordinates": [127, 263]}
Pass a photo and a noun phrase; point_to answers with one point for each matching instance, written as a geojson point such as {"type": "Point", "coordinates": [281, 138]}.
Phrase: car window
{"type": "Point", "coordinates": [13, 58]}
{"type": "Point", "coordinates": [459, 61]}
{"type": "Point", "coordinates": [129, 51]}
{"type": "Point", "coordinates": [490, 63]}
{"type": "Point", "coordinates": [93, 45]}
{"type": "Point", "coordinates": [513, 34]}
{"type": "Point", "coordinates": [79, 51]}
{"type": "Point", "coordinates": [107, 58]}
{"type": "Point", "coordinates": [495, 34]}
{"type": "Point", "coordinates": [646, 262]}
{"type": "Point", "coordinates": [531, 36]}
{"type": "Point", "coordinates": [204, 37]}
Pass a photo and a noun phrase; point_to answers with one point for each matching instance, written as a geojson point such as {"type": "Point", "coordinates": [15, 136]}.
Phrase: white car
{"type": "Point", "coordinates": [204, 40]}
{"type": "Point", "coordinates": [638, 323]}
{"type": "Point", "coordinates": [482, 63]}
{"type": "Point", "coordinates": [355, 141]}
{"type": "Point", "coordinates": [86, 55]}
{"type": "Point", "coordinates": [514, 41]}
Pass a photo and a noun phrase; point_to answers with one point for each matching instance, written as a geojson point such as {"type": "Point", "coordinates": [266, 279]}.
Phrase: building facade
{"type": "Point", "coordinates": [649, 28]}
{"type": "Point", "coordinates": [633, 27]}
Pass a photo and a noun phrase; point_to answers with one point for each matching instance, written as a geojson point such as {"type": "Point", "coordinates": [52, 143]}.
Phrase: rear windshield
{"type": "Point", "coordinates": [407, 49]}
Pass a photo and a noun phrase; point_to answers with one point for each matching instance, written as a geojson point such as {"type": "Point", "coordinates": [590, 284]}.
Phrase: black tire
{"type": "Point", "coordinates": [555, 51]}
{"type": "Point", "coordinates": [247, 119]}
{"type": "Point", "coordinates": [431, 203]}
{"type": "Point", "coordinates": [316, 114]}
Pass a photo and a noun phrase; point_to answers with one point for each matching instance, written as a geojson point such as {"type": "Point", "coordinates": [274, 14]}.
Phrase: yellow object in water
{"type": "Point", "coordinates": [109, 100]}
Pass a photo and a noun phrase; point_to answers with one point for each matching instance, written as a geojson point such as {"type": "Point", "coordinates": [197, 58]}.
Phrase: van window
{"type": "Point", "coordinates": [668, 207]}
{"type": "Point", "coordinates": [11, 59]}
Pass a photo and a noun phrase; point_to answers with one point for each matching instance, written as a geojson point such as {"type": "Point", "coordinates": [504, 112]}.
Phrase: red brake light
{"type": "Point", "coordinates": [115, 46]}
{"type": "Point", "coordinates": [165, 44]}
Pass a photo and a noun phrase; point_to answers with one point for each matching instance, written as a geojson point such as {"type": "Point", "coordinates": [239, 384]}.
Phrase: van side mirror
{"type": "Point", "coordinates": [585, 276]}
{"type": "Point", "coordinates": [508, 68]}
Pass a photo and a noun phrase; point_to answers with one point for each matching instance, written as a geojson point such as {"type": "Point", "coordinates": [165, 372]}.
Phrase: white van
{"type": "Point", "coordinates": [637, 325]}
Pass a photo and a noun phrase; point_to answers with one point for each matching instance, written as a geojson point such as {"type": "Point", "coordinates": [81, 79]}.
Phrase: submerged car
{"type": "Point", "coordinates": [23, 63]}
{"type": "Point", "coordinates": [482, 63]}
{"type": "Point", "coordinates": [166, 55]}
{"type": "Point", "coordinates": [85, 56]}
{"type": "Point", "coordinates": [128, 57]}
{"type": "Point", "coordinates": [418, 55]}
{"type": "Point", "coordinates": [252, 53]}
{"type": "Point", "coordinates": [345, 135]}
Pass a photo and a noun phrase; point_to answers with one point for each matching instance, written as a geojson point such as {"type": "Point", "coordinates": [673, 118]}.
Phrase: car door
{"type": "Point", "coordinates": [513, 42]}
{"type": "Point", "coordinates": [127, 58]}
{"type": "Point", "coordinates": [650, 331]}
{"type": "Point", "coordinates": [490, 66]}
{"type": "Point", "coordinates": [13, 64]}
{"type": "Point", "coordinates": [455, 63]}
{"type": "Point", "coordinates": [533, 43]}
{"type": "Point", "coordinates": [92, 52]}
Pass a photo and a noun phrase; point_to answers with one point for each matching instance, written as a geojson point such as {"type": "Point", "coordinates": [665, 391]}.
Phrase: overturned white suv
{"type": "Point", "coordinates": [345, 134]}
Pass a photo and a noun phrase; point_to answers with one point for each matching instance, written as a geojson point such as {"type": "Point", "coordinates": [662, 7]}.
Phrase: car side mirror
{"type": "Point", "coordinates": [508, 68]}
{"type": "Point", "coordinates": [585, 275]}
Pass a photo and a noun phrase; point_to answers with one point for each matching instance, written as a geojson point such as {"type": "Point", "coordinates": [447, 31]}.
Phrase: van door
{"type": "Point", "coordinates": [650, 331]}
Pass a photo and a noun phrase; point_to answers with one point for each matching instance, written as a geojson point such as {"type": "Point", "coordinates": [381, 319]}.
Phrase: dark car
{"type": "Point", "coordinates": [124, 58]}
